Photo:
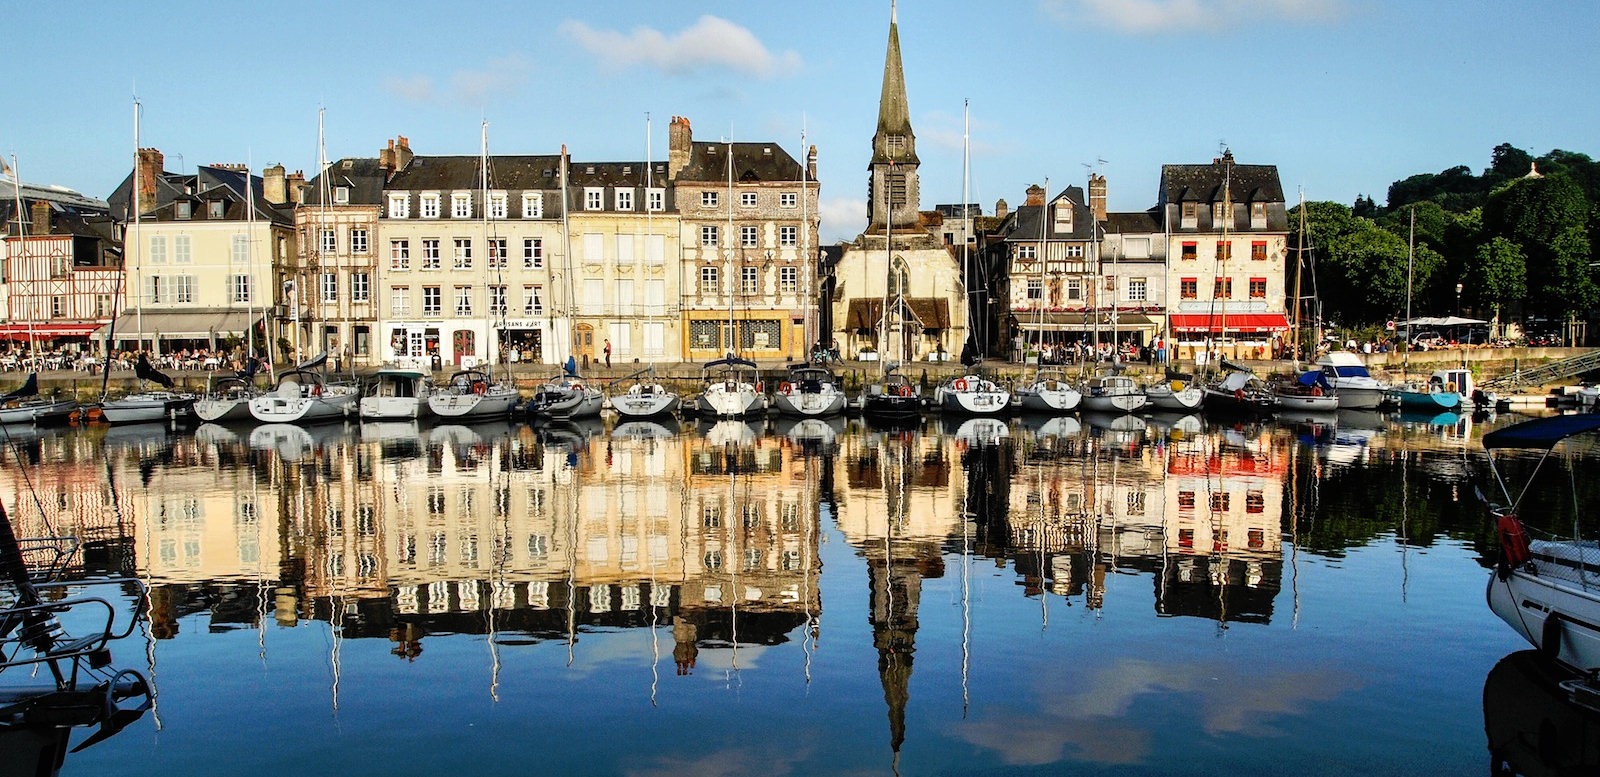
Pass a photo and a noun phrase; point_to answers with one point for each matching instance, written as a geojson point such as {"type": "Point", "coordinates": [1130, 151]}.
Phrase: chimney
{"type": "Point", "coordinates": [295, 186]}
{"type": "Point", "coordinates": [41, 218]}
{"type": "Point", "coordinates": [273, 186]}
{"type": "Point", "coordinates": [151, 164]}
{"type": "Point", "coordinates": [680, 141]}
{"type": "Point", "coordinates": [402, 153]}
{"type": "Point", "coordinates": [386, 160]}
{"type": "Point", "coordinates": [1097, 197]}
{"type": "Point", "coordinates": [1035, 197]}
{"type": "Point", "coordinates": [811, 163]}
{"type": "Point", "coordinates": [1001, 209]}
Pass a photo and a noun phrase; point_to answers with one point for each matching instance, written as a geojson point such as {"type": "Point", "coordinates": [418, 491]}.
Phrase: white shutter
{"type": "Point", "coordinates": [625, 249]}
{"type": "Point", "coordinates": [594, 247]}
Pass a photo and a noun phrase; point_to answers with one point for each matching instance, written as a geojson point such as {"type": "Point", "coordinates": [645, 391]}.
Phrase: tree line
{"type": "Point", "coordinates": [1519, 239]}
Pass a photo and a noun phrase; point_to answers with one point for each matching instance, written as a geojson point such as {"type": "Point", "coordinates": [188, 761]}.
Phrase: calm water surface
{"type": "Point", "coordinates": [1105, 596]}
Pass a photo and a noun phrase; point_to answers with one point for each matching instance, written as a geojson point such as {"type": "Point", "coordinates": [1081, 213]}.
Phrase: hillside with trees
{"type": "Point", "coordinates": [1520, 239]}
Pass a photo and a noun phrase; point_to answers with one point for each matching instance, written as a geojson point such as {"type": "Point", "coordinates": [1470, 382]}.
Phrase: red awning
{"type": "Point", "coordinates": [16, 331]}
{"type": "Point", "coordinates": [1237, 322]}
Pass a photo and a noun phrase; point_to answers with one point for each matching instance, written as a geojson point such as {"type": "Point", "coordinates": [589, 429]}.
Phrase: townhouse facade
{"type": "Point", "coordinates": [60, 274]}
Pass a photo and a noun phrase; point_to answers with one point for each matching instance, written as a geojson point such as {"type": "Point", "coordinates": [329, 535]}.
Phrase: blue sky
{"type": "Point", "coordinates": [1345, 96]}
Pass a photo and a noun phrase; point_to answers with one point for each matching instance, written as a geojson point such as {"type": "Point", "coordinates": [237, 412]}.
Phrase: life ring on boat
{"type": "Point", "coordinates": [1316, 391]}
{"type": "Point", "coordinates": [1238, 394]}
{"type": "Point", "coordinates": [783, 388]}
{"type": "Point", "coordinates": [905, 391]}
{"type": "Point", "coordinates": [480, 388]}
{"type": "Point", "coordinates": [761, 387]}
{"type": "Point", "coordinates": [961, 384]}
{"type": "Point", "coordinates": [577, 387]}
{"type": "Point", "coordinates": [1450, 386]}
{"type": "Point", "coordinates": [316, 389]}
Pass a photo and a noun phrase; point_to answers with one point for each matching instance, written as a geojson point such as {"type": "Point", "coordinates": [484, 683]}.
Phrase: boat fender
{"type": "Point", "coordinates": [1550, 637]}
{"type": "Point", "coordinates": [1177, 386]}
{"type": "Point", "coordinates": [1514, 550]}
{"type": "Point", "coordinates": [316, 389]}
{"type": "Point", "coordinates": [1238, 394]}
{"type": "Point", "coordinates": [783, 388]}
{"type": "Point", "coordinates": [905, 391]}
{"type": "Point", "coordinates": [761, 387]}
{"type": "Point", "coordinates": [1450, 387]}
{"type": "Point", "coordinates": [961, 384]}
{"type": "Point", "coordinates": [1316, 391]}
{"type": "Point", "coordinates": [480, 388]}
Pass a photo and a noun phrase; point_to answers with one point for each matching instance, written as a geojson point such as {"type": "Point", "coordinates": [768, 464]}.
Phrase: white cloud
{"type": "Point", "coordinates": [466, 87]}
{"type": "Point", "coordinates": [842, 218]}
{"type": "Point", "coordinates": [709, 43]}
{"type": "Point", "coordinates": [1158, 16]}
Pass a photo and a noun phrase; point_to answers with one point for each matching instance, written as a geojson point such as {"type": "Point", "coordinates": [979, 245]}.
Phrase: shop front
{"type": "Point", "coordinates": [1232, 335]}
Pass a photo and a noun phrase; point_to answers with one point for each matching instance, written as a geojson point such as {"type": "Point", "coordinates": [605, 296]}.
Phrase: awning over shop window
{"type": "Point", "coordinates": [49, 330]}
{"type": "Point", "coordinates": [1236, 322]}
{"type": "Point", "coordinates": [182, 325]}
{"type": "Point", "coordinates": [1078, 321]}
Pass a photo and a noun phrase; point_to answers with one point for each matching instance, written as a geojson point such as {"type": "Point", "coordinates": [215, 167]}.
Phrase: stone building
{"type": "Point", "coordinates": [337, 269]}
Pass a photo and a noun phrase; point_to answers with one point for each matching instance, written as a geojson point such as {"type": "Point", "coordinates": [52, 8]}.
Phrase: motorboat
{"type": "Point", "coordinates": [396, 394]}
{"type": "Point", "coordinates": [1049, 392]}
{"type": "Point", "coordinates": [1240, 391]}
{"type": "Point", "coordinates": [303, 396]}
{"type": "Point", "coordinates": [640, 395]}
{"type": "Point", "coordinates": [227, 399]}
{"type": "Point", "coordinates": [1312, 392]}
{"type": "Point", "coordinates": [810, 391]}
{"type": "Point", "coordinates": [25, 406]}
{"type": "Point", "coordinates": [1442, 391]}
{"type": "Point", "coordinates": [732, 389]}
{"type": "Point", "coordinates": [1547, 590]}
{"type": "Point", "coordinates": [893, 397]}
{"type": "Point", "coordinates": [1111, 393]}
{"type": "Point", "coordinates": [146, 406]}
{"type": "Point", "coordinates": [566, 395]}
{"type": "Point", "coordinates": [1352, 381]}
{"type": "Point", "coordinates": [472, 395]}
{"type": "Point", "coordinates": [972, 394]}
{"type": "Point", "coordinates": [1177, 394]}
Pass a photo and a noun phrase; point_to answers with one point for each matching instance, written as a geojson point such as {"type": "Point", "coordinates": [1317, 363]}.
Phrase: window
{"type": "Point", "coordinates": [749, 236]}
{"type": "Point", "coordinates": [463, 254]}
{"type": "Point", "coordinates": [655, 297]}
{"type": "Point", "coordinates": [432, 301]}
{"type": "Point", "coordinates": [788, 237]}
{"type": "Point", "coordinates": [399, 300]}
{"type": "Point", "coordinates": [461, 205]}
{"type": "Point", "coordinates": [532, 205]}
{"type": "Point", "coordinates": [1035, 289]}
{"type": "Point", "coordinates": [594, 198]}
{"type": "Point", "coordinates": [399, 206]}
{"type": "Point", "coordinates": [1063, 217]}
{"type": "Point", "coordinates": [430, 253]}
{"type": "Point", "coordinates": [239, 288]}
{"type": "Point", "coordinates": [182, 209]}
{"type": "Point", "coordinates": [1255, 501]}
{"type": "Point", "coordinates": [624, 199]}
{"type": "Point", "coordinates": [1191, 251]}
{"type": "Point", "coordinates": [1258, 288]}
{"type": "Point", "coordinates": [497, 205]}
{"type": "Point", "coordinates": [463, 301]}
{"type": "Point", "coordinates": [1258, 251]}
{"type": "Point", "coordinates": [240, 249]}
{"type": "Point", "coordinates": [181, 253]}
{"type": "Point", "coordinates": [1191, 213]}
{"type": "Point", "coordinates": [656, 200]}
{"type": "Point", "coordinates": [1189, 288]}
{"type": "Point", "coordinates": [1027, 253]}
{"type": "Point", "coordinates": [1074, 251]}
{"type": "Point", "coordinates": [788, 279]}
{"type": "Point", "coordinates": [1224, 250]}
{"type": "Point", "coordinates": [1185, 500]}
{"type": "Point", "coordinates": [341, 195]}
{"type": "Point", "coordinates": [1074, 289]}
{"type": "Point", "coordinates": [594, 296]}
{"type": "Point", "coordinates": [532, 253]}
{"type": "Point", "coordinates": [788, 200]}
{"type": "Point", "coordinates": [747, 199]}
{"type": "Point", "coordinates": [497, 300]}
{"type": "Point", "coordinates": [1258, 215]}
{"type": "Point", "coordinates": [430, 206]}
{"type": "Point", "coordinates": [655, 338]}
{"type": "Point", "coordinates": [330, 241]}
{"type": "Point", "coordinates": [214, 209]}
{"type": "Point", "coordinates": [621, 343]}
{"type": "Point", "coordinates": [625, 251]}
{"type": "Point", "coordinates": [533, 300]}
{"type": "Point", "coordinates": [360, 287]}
{"type": "Point", "coordinates": [497, 252]}
{"type": "Point", "coordinates": [1137, 289]}
{"type": "Point", "coordinates": [655, 249]}
{"type": "Point", "coordinates": [1220, 501]}
{"type": "Point", "coordinates": [399, 254]}
{"type": "Point", "coordinates": [708, 199]}
{"type": "Point", "coordinates": [624, 298]}
{"type": "Point", "coordinates": [708, 235]}
{"type": "Point", "coordinates": [330, 288]}
{"type": "Point", "coordinates": [170, 289]}
{"type": "Point", "coordinates": [358, 240]}
{"type": "Point", "coordinates": [1222, 214]}
{"type": "Point", "coordinates": [708, 280]}
{"type": "Point", "coordinates": [1222, 288]}
{"type": "Point", "coordinates": [894, 144]}
{"type": "Point", "coordinates": [594, 247]}
{"type": "Point", "coordinates": [750, 280]}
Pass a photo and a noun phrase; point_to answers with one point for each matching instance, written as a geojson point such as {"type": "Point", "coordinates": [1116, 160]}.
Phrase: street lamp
{"type": "Point", "coordinates": [1458, 299]}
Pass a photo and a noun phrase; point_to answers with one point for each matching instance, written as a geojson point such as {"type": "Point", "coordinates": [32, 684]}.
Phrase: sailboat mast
{"type": "Point", "coordinates": [250, 260]}
{"type": "Point", "coordinates": [805, 242]}
{"type": "Point", "coordinates": [1411, 248]}
{"type": "Point", "coordinates": [22, 250]}
{"type": "Point", "coordinates": [138, 266]}
{"type": "Point", "coordinates": [966, 215]}
{"type": "Point", "coordinates": [566, 263]}
{"type": "Point", "coordinates": [496, 258]}
{"type": "Point", "coordinates": [1227, 252]}
{"type": "Point", "coordinates": [889, 274]}
{"type": "Point", "coordinates": [1299, 263]}
{"type": "Point", "coordinates": [733, 284]}
{"type": "Point", "coordinates": [1041, 258]}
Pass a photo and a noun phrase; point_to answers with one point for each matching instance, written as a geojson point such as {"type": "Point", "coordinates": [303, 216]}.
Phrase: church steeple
{"type": "Point", "coordinates": [892, 195]}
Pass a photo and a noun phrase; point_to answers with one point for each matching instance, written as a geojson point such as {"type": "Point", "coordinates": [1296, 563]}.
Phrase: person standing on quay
{"type": "Point", "coordinates": [608, 354]}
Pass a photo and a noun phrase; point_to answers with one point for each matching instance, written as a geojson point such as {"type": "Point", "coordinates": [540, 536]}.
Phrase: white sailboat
{"type": "Point", "coordinates": [228, 399]}
{"type": "Point", "coordinates": [303, 396]}
{"type": "Point", "coordinates": [970, 394]}
{"type": "Point", "coordinates": [1049, 391]}
{"type": "Point", "coordinates": [1310, 392]}
{"type": "Point", "coordinates": [640, 395]}
{"type": "Point", "coordinates": [566, 395]}
{"type": "Point", "coordinates": [810, 390]}
{"type": "Point", "coordinates": [731, 385]}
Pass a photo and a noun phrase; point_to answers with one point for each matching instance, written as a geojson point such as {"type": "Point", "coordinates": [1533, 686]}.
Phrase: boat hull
{"type": "Point", "coordinates": [144, 408]}
{"type": "Point", "coordinates": [1042, 399]}
{"type": "Point", "coordinates": [568, 404]}
{"type": "Point", "coordinates": [218, 410]}
{"type": "Point", "coordinates": [740, 401]}
{"type": "Point", "coordinates": [1304, 403]}
{"type": "Point", "coordinates": [1251, 404]}
{"type": "Point", "coordinates": [41, 413]}
{"type": "Point", "coordinates": [334, 404]}
{"type": "Point", "coordinates": [1428, 400]}
{"type": "Point", "coordinates": [494, 403]}
{"type": "Point", "coordinates": [974, 402]}
{"type": "Point", "coordinates": [393, 408]}
{"type": "Point", "coordinates": [645, 405]}
{"type": "Point", "coordinates": [1185, 400]}
{"type": "Point", "coordinates": [1114, 403]}
{"type": "Point", "coordinates": [1528, 601]}
{"type": "Point", "coordinates": [809, 404]}
{"type": "Point", "coordinates": [1358, 398]}
{"type": "Point", "coordinates": [891, 407]}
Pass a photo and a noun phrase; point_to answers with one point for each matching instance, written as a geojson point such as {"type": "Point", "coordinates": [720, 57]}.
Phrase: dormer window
{"type": "Point", "coordinates": [214, 209]}
{"type": "Point", "coordinates": [182, 209]}
{"type": "Point", "coordinates": [1064, 216]}
{"type": "Point", "coordinates": [461, 205]}
{"type": "Point", "coordinates": [341, 195]}
{"type": "Point", "coordinates": [594, 198]}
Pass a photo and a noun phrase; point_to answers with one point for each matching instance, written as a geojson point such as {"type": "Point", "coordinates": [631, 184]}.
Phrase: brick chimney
{"type": "Point", "coordinates": [295, 185]}
{"type": "Point", "coordinates": [1035, 197]}
{"type": "Point", "coordinates": [402, 153]}
{"type": "Point", "coordinates": [811, 163]}
{"type": "Point", "coordinates": [1097, 197]}
{"type": "Point", "coordinates": [386, 160]}
{"type": "Point", "coordinates": [680, 142]}
{"type": "Point", "coordinates": [1001, 209]}
{"type": "Point", "coordinates": [273, 186]}
{"type": "Point", "coordinates": [151, 164]}
{"type": "Point", "coordinates": [41, 218]}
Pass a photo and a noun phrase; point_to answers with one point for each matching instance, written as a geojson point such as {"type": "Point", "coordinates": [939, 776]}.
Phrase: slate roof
{"type": "Point", "coordinates": [1022, 225]}
{"type": "Point", "coordinates": [1204, 183]}
{"type": "Point", "coordinates": [512, 173]}
{"type": "Point", "coordinates": [1142, 222]}
{"type": "Point", "coordinates": [752, 162]}
{"type": "Point", "coordinates": [361, 175]}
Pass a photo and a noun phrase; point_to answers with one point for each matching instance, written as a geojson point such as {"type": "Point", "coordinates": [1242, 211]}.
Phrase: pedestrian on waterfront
{"type": "Point", "coordinates": [608, 354]}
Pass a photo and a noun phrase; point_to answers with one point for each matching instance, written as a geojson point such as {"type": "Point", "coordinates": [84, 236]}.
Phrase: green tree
{"type": "Point", "coordinates": [1549, 219]}
{"type": "Point", "coordinates": [1497, 275]}
{"type": "Point", "coordinates": [1369, 264]}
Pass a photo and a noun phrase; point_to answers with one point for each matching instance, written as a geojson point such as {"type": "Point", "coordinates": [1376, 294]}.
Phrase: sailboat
{"type": "Point", "coordinates": [471, 393]}
{"type": "Point", "coordinates": [732, 385]}
{"type": "Point", "coordinates": [144, 406]}
{"type": "Point", "coordinates": [24, 405]}
{"type": "Point", "coordinates": [1311, 392]}
{"type": "Point", "coordinates": [303, 395]}
{"type": "Point", "coordinates": [971, 393]}
{"type": "Point", "coordinates": [1437, 394]}
{"type": "Point", "coordinates": [566, 395]}
{"type": "Point", "coordinates": [1049, 391]}
{"type": "Point", "coordinates": [228, 398]}
{"type": "Point", "coordinates": [639, 395]}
